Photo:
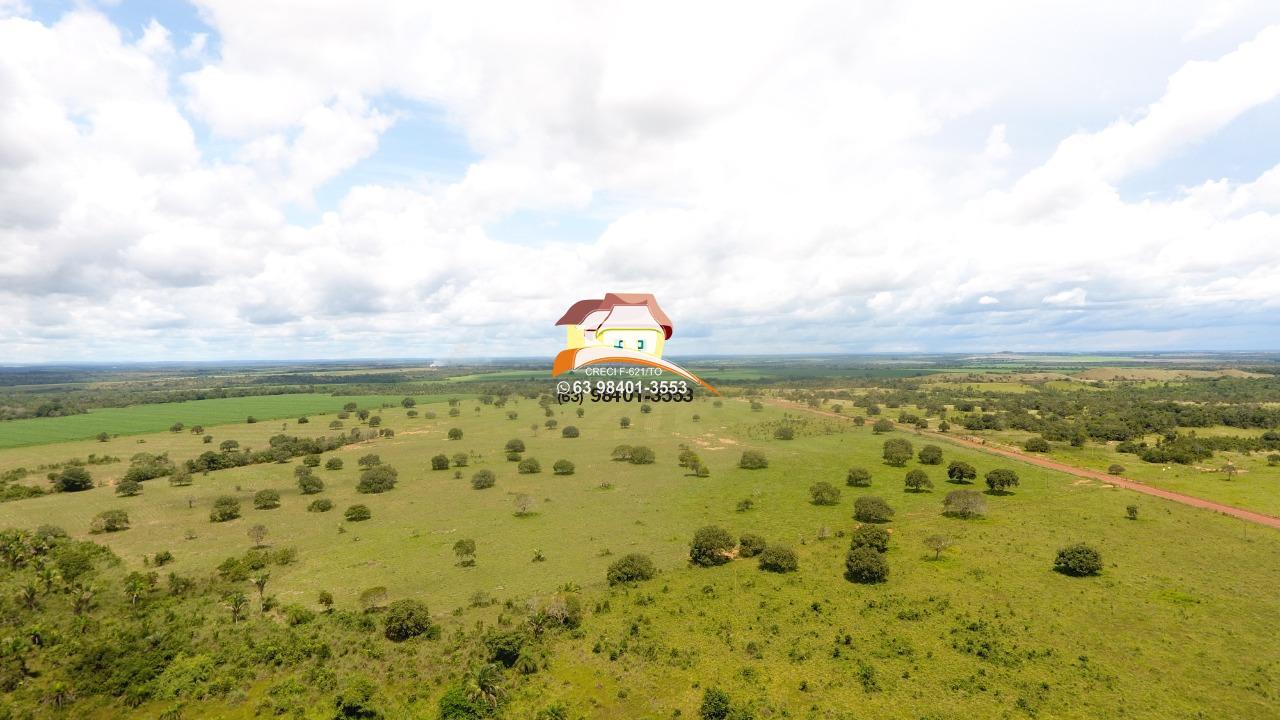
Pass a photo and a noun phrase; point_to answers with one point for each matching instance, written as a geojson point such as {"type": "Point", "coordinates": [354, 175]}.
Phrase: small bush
{"type": "Point", "coordinates": [320, 505]}
{"type": "Point", "coordinates": [529, 466]}
{"type": "Point", "coordinates": [1001, 479]}
{"type": "Point", "coordinates": [779, 559]}
{"type": "Point", "coordinates": [633, 567]}
{"type": "Point", "coordinates": [786, 432]}
{"type": "Point", "coordinates": [711, 546]}
{"type": "Point", "coordinates": [406, 619]}
{"type": "Point", "coordinates": [876, 538]}
{"type": "Point", "coordinates": [1079, 560]}
{"type": "Point", "coordinates": [224, 508]}
{"type": "Point", "coordinates": [642, 455]}
{"type": "Point", "coordinates": [865, 565]}
{"type": "Point", "coordinates": [483, 479]}
{"type": "Point", "coordinates": [1036, 444]}
{"type": "Point", "coordinates": [128, 488]}
{"type": "Point", "coordinates": [858, 477]}
{"type": "Point", "coordinates": [753, 460]}
{"type": "Point", "coordinates": [1131, 512]}
{"type": "Point", "coordinates": [750, 545]}
{"type": "Point", "coordinates": [918, 481]}
{"type": "Point", "coordinates": [824, 493]}
{"type": "Point", "coordinates": [377, 479]}
{"type": "Point", "coordinates": [333, 464]}
{"type": "Point", "coordinates": [440, 462]}
{"type": "Point", "coordinates": [964, 504]}
{"type": "Point", "coordinates": [109, 521]}
{"type": "Point", "coordinates": [897, 451]}
{"type": "Point", "coordinates": [1115, 469]}
{"type": "Point", "coordinates": [569, 431]}
{"type": "Point", "coordinates": [872, 509]}
{"type": "Point", "coordinates": [310, 485]}
{"type": "Point", "coordinates": [563, 467]}
{"type": "Point", "coordinates": [357, 513]}
{"type": "Point", "coordinates": [266, 500]}
{"type": "Point", "coordinates": [455, 433]}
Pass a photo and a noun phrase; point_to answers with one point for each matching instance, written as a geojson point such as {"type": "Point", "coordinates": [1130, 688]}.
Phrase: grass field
{"type": "Point", "coordinates": [1182, 619]}
{"type": "Point", "coordinates": [139, 419]}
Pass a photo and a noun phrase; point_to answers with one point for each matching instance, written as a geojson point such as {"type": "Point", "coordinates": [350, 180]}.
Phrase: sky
{"type": "Point", "coordinates": [234, 179]}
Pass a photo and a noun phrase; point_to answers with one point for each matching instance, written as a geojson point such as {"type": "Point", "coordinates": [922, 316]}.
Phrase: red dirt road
{"type": "Point", "coordinates": [1249, 515]}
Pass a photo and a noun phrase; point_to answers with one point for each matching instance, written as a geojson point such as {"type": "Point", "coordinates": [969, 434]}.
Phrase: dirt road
{"type": "Point", "coordinates": [1251, 516]}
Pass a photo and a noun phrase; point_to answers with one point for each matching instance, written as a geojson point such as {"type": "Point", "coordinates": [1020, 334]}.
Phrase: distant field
{"type": "Point", "coordinates": [138, 419]}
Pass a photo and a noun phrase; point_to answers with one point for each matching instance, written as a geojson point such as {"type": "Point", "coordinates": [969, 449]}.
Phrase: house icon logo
{"type": "Point", "coordinates": [620, 328]}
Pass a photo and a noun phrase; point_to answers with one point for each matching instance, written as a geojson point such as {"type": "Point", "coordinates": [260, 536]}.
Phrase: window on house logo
{"type": "Point", "coordinates": [640, 344]}
{"type": "Point", "coordinates": [618, 344]}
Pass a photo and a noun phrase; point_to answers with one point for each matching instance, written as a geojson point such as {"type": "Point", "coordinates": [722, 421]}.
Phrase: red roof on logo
{"type": "Point", "coordinates": [581, 309]}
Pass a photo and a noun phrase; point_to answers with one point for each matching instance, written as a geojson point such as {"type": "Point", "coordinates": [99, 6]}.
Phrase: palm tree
{"type": "Point", "coordinates": [236, 602]}
{"type": "Point", "coordinates": [49, 577]}
{"type": "Point", "coordinates": [260, 582]}
{"type": "Point", "coordinates": [81, 599]}
{"type": "Point", "coordinates": [27, 596]}
{"type": "Point", "coordinates": [484, 684]}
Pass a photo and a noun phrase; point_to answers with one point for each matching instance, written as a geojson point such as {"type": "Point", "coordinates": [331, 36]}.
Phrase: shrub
{"type": "Point", "coordinates": [632, 567]}
{"type": "Point", "coordinates": [224, 508]}
{"type": "Point", "coordinates": [876, 538]}
{"type": "Point", "coordinates": [312, 460]}
{"type": "Point", "coordinates": [310, 484]}
{"type": "Point", "coordinates": [872, 509]}
{"type": "Point", "coordinates": [1001, 479]}
{"type": "Point", "coordinates": [128, 488]}
{"type": "Point", "coordinates": [513, 457]}
{"type": "Point", "coordinates": [406, 619]}
{"type": "Point", "coordinates": [750, 545]}
{"type": "Point", "coordinates": [356, 513]}
{"type": "Point", "coordinates": [1115, 469]}
{"type": "Point", "coordinates": [624, 423]}
{"type": "Point", "coordinates": [563, 467]}
{"type": "Point", "coordinates": [753, 460]}
{"type": "Point", "coordinates": [514, 445]}
{"type": "Point", "coordinates": [897, 451]}
{"type": "Point", "coordinates": [641, 455]}
{"type": "Point", "coordinates": [368, 461]}
{"type": "Point", "coordinates": [715, 705]}
{"type": "Point", "coordinates": [73, 479]}
{"type": "Point", "coordinates": [858, 477]}
{"type": "Point", "coordinates": [320, 505]}
{"type": "Point", "coordinates": [1079, 560]}
{"type": "Point", "coordinates": [162, 558]}
{"type": "Point", "coordinates": [377, 479]}
{"type": "Point", "coordinates": [333, 464]}
{"type": "Point", "coordinates": [745, 504]}
{"type": "Point", "coordinates": [865, 565]}
{"type": "Point", "coordinates": [710, 546]}
{"type": "Point", "coordinates": [440, 462]}
{"type": "Point", "coordinates": [930, 455]}
{"type": "Point", "coordinates": [1131, 512]}
{"type": "Point", "coordinates": [569, 431]}
{"type": "Point", "coordinates": [779, 559]}
{"type": "Point", "coordinates": [455, 433]}
{"type": "Point", "coordinates": [266, 500]}
{"type": "Point", "coordinates": [824, 493]}
{"type": "Point", "coordinates": [918, 481]}
{"type": "Point", "coordinates": [961, 472]}
{"type": "Point", "coordinates": [786, 432]}
{"type": "Point", "coordinates": [483, 479]}
{"type": "Point", "coordinates": [621, 452]}
{"type": "Point", "coordinates": [529, 466]}
{"type": "Point", "coordinates": [1036, 444]}
{"type": "Point", "coordinates": [883, 425]}
{"type": "Point", "coordinates": [964, 504]}
{"type": "Point", "coordinates": [109, 521]}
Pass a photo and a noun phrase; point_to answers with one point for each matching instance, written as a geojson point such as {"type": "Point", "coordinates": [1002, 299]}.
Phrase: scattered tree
{"type": "Point", "coordinates": [377, 479]}
{"type": "Point", "coordinates": [632, 567]}
{"type": "Point", "coordinates": [864, 565]}
{"type": "Point", "coordinates": [524, 504]}
{"type": "Point", "coordinates": [961, 472]}
{"type": "Point", "coordinates": [109, 521]}
{"type": "Point", "coordinates": [937, 543]}
{"type": "Point", "coordinates": [779, 559]}
{"type": "Point", "coordinates": [73, 478]}
{"type": "Point", "coordinates": [883, 425]}
{"type": "Point", "coordinates": [266, 499]}
{"type": "Point", "coordinates": [569, 431]}
{"type": "Point", "coordinates": [257, 534]}
{"type": "Point", "coordinates": [440, 462]}
{"type": "Point", "coordinates": [310, 484]}
{"type": "Point", "coordinates": [1131, 512]}
{"type": "Point", "coordinates": [320, 505]}
{"type": "Point", "coordinates": [824, 493]}
{"type": "Point", "coordinates": [483, 479]}
{"type": "Point", "coordinates": [918, 480]}
{"type": "Point", "coordinates": [871, 509]}
{"type": "Point", "coordinates": [711, 546]}
{"type": "Point", "coordinates": [750, 545]}
{"type": "Point", "coordinates": [333, 464]}
{"type": "Point", "coordinates": [964, 504]}
{"type": "Point", "coordinates": [858, 477]}
{"type": "Point", "coordinates": [466, 552]}
{"type": "Point", "coordinates": [1001, 479]}
{"type": "Point", "coordinates": [128, 488]}
{"type": "Point", "coordinates": [753, 460]}
{"type": "Point", "coordinates": [225, 508]}
{"type": "Point", "coordinates": [930, 455]}
{"type": "Point", "coordinates": [1079, 560]}
{"type": "Point", "coordinates": [1036, 444]}
{"type": "Point", "coordinates": [406, 618]}
{"type": "Point", "coordinates": [641, 455]}
{"type": "Point", "coordinates": [455, 433]}
{"type": "Point", "coordinates": [1115, 469]}
{"type": "Point", "coordinates": [872, 536]}
{"type": "Point", "coordinates": [515, 445]}
{"type": "Point", "coordinates": [529, 466]}
{"type": "Point", "coordinates": [563, 467]}
{"type": "Point", "coordinates": [897, 451]}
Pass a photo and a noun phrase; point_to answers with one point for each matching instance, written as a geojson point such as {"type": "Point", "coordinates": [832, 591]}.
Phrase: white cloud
{"type": "Point", "coordinates": [845, 177]}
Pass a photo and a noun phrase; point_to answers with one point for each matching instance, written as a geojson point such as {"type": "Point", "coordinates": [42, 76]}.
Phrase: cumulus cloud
{"type": "Point", "coordinates": [836, 176]}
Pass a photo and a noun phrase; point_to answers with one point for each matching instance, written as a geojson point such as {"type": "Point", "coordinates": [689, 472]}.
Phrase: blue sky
{"type": "Point", "coordinates": [231, 179]}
